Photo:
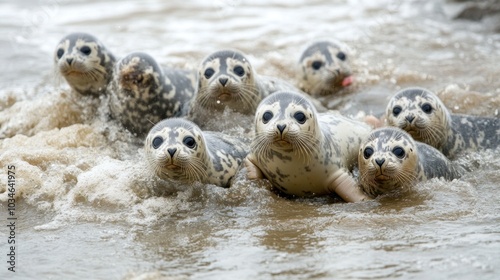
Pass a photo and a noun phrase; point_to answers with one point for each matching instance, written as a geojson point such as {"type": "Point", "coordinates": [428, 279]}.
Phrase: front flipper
{"type": "Point", "coordinates": [346, 187]}
{"type": "Point", "coordinates": [253, 172]}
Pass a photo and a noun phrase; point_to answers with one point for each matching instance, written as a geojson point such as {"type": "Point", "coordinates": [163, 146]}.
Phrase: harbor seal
{"type": "Point", "coordinates": [303, 153]}
{"type": "Point", "coordinates": [85, 63]}
{"type": "Point", "coordinates": [389, 160]}
{"type": "Point", "coordinates": [422, 114]}
{"type": "Point", "coordinates": [227, 80]}
{"type": "Point", "coordinates": [324, 68]}
{"type": "Point", "coordinates": [143, 94]}
{"type": "Point", "coordinates": [177, 149]}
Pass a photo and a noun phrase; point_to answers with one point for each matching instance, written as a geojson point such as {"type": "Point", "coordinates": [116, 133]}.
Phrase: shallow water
{"type": "Point", "coordinates": [88, 208]}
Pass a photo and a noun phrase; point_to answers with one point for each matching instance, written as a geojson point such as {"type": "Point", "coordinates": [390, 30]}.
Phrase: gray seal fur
{"type": "Point", "coordinates": [422, 114]}
{"type": "Point", "coordinates": [143, 94]}
{"type": "Point", "coordinates": [389, 160]}
{"type": "Point", "coordinates": [85, 63]}
{"type": "Point", "coordinates": [177, 149]}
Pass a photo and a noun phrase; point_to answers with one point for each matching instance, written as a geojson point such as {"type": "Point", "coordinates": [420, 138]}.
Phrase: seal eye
{"type": "Point", "coordinates": [368, 152]}
{"type": "Point", "coordinates": [209, 73]}
{"type": "Point", "coordinates": [85, 50]}
{"type": "Point", "coordinates": [157, 141]}
{"type": "Point", "coordinates": [341, 56]}
{"type": "Point", "coordinates": [239, 71]}
{"type": "Point", "coordinates": [300, 117]}
{"type": "Point", "coordinates": [399, 152]}
{"type": "Point", "coordinates": [427, 108]}
{"type": "Point", "coordinates": [60, 53]}
{"type": "Point", "coordinates": [267, 117]}
{"type": "Point", "coordinates": [316, 64]}
{"type": "Point", "coordinates": [396, 110]}
{"type": "Point", "coordinates": [189, 142]}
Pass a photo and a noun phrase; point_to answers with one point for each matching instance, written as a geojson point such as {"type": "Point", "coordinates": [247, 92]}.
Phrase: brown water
{"type": "Point", "coordinates": [87, 207]}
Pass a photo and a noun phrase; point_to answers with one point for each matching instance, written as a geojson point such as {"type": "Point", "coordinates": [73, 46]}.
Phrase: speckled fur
{"type": "Point", "coordinates": [302, 159]}
{"type": "Point", "coordinates": [143, 94]}
{"type": "Point", "coordinates": [241, 93]}
{"type": "Point", "coordinates": [87, 74]}
{"type": "Point", "coordinates": [420, 162]}
{"type": "Point", "coordinates": [451, 134]}
{"type": "Point", "coordinates": [335, 67]}
{"type": "Point", "coordinates": [215, 158]}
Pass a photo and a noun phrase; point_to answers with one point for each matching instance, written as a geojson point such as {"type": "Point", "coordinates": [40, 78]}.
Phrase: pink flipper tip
{"type": "Point", "coordinates": [347, 81]}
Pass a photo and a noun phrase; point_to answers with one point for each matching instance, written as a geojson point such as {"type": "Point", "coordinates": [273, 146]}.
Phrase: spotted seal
{"type": "Point", "coordinates": [422, 114]}
{"type": "Point", "coordinates": [227, 80]}
{"type": "Point", "coordinates": [85, 63]}
{"type": "Point", "coordinates": [324, 68]}
{"type": "Point", "coordinates": [143, 94]}
{"type": "Point", "coordinates": [389, 160]}
{"type": "Point", "coordinates": [178, 149]}
{"type": "Point", "coordinates": [304, 153]}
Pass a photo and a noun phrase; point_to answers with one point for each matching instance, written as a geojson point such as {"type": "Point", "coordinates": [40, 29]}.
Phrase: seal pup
{"type": "Point", "coordinates": [143, 94]}
{"type": "Point", "coordinates": [177, 149]}
{"type": "Point", "coordinates": [389, 160]}
{"type": "Point", "coordinates": [227, 80]}
{"type": "Point", "coordinates": [324, 68]}
{"type": "Point", "coordinates": [303, 153]}
{"type": "Point", "coordinates": [85, 63]}
{"type": "Point", "coordinates": [422, 114]}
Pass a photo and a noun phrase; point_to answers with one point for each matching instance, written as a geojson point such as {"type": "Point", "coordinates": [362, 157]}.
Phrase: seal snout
{"type": "Point", "coordinates": [69, 60]}
{"type": "Point", "coordinates": [281, 128]}
{"type": "Point", "coordinates": [410, 118]}
{"type": "Point", "coordinates": [380, 161]}
{"type": "Point", "coordinates": [223, 81]}
{"type": "Point", "coordinates": [171, 151]}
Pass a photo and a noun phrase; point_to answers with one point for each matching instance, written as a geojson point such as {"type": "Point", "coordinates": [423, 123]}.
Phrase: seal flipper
{"type": "Point", "coordinates": [346, 187]}
{"type": "Point", "coordinates": [253, 172]}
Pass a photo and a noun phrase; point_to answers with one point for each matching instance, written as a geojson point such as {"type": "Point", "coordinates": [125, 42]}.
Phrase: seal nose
{"type": "Point", "coordinates": [171, 151]}
{"type": "Point", "coordinates": [380, 161]}
{"type": "Point", "coordinates": [223, 81]}
{"type": "Point", "coordinates": [69, 60]}
{"type": "Point", "coordinates": [281, 127]}
{"type": "Point", "coordinates": [410, 118]}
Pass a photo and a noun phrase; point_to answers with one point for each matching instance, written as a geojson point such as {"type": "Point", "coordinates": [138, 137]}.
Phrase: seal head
{"type": "Point", "coordinates": [325, 68]}
{"type": "Point", "coordinates": [85, 63]}
{"type": "Point", "coordinates": [390, 160]}
{"type": "Point", "coordinates": [422, 114]}
{"type": "Point", "coordinates": [142, 95]}
{"type": "Point", "coordinates": [178, 149]}
{"type": "Point", "coordinates": [227, 79]}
